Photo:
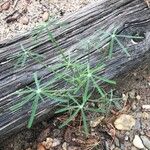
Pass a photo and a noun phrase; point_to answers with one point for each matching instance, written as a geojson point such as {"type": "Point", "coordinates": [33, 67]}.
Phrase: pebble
{"type": "Point", "coordinates": [45, 16]}
{"type": "Point", "coordinates": [124, 122]}
{"type": "Point", "coordinates": [64, 146]}
{"type": "Point", "coordinates": [49, 143]}
{"type": "Point", "coordinates": [24, 20]}
{"type": "Point", "coordinates": [132, 94]}
{"type": "Point", "coordinates": [125, 97]}
{"type": "Point", "coordinates": [137, 142]}
{"type": "Point", "coordinates": [56, 142]}
{"type": "Point", "coordinates": [146, 141]}
{"type": "Point", "coordinates": [146, 107]}
{"type": "Point", "coordinates": [6, 5]}
{"type": "Point", "coordinates": [138, 97]}
{"type": "Point", "coordinates": [145, 115]}
{"type": "Point", "coordinates": [126, 138]}
{"type": "Point", "coordinates": [117, 143]}
{"type": "Point", "coordinates": [122, 147]}
{"type": "Point", "coordinates": [137, 124]}
{"type": "Point", "coordinates": [112, 147]}
{"type": "Point", "coordinates": [134, 107]}
{"type": "Point", "coordinates": [94, 123]}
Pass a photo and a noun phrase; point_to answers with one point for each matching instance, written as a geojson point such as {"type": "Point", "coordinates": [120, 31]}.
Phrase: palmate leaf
{"type": "Point", "coordinates": [35, 95]}
{"type": "Point", "coordinates": [115, 37]}
{"type": "Point", "coordinates": [24, 55]}
{"type": "Point", "coordinates": [77, 107]}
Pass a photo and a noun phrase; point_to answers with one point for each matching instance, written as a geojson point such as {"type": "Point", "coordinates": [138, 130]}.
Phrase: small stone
{"type": "Point", "coordinates": [146, 142]}
{"type": "Point", "coordinates": [45, 16]}
{"type": "Point", "coordinates": [132, 94]}
{"type": "Point", "coordinates": [56, 142]}
{"type": "Point", "coordinates": [48, 143]}
{"type": "Point", "coordinates": [116, 141]}
{"type": "Point", "coordinates": [122, 146]}
{"type": "Point", "coordinates": [137, 142]}
{"type": "Point", "coordinates": [107, 145]}
{"type": "Point", "coordinates": [146, 107]}
{"type": "Point", "coordinates": [112, 147]}
{"type": "Point", "coordinates": [138, 97]}
{"type": "Point", "coordinates": [145, 115]}
{"type": "Point", "coordinates": [134, 107]}
{"type": "Point", "coordinates": [64, 146]}
{"type": "Point", "coordinates": [126, 138]}
{"type": "Point", "coordinates": [125, 97]}
{"type": "Point", "coordinates": [6, 5]}
{"type": "Point", "coordinates": [137, 124]}
{"type": "Point", "coordinates": [24, 20]}
{"type": "Point", "coordinates": [124, 122]}
{"type": "Point", "coordinates": [96, 121]}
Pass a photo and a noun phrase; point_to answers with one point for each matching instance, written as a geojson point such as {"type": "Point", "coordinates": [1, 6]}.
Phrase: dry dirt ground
{"type": "Point", "coordinates": [19, 16]}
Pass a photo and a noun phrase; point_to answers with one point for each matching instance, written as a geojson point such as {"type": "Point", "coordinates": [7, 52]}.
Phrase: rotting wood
{"type": "Point", "coordinates": [128, 15]}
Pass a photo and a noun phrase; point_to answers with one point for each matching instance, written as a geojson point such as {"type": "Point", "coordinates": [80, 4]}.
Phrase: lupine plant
{"type": "Point", "coordinates": [78, 79]}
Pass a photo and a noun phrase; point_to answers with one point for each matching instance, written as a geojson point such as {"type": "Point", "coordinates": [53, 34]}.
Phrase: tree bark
{"type": "Point", "coordinates": [129, 16]}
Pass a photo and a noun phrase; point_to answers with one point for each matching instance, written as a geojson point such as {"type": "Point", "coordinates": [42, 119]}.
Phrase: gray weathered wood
{"type": "Point", "coordinates": [128, 16]}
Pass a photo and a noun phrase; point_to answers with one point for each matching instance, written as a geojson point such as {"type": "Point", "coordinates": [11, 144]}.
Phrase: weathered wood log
{"type": "Point", "coordinates": [129, 16]}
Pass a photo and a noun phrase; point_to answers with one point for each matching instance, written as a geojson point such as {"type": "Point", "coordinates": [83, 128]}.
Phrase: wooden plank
{"type": "Point", "coordinates": [129, 16]}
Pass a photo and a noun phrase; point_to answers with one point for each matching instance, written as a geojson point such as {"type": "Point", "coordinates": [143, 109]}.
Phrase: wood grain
{"type": "Point", "coordinates": [129, 16]}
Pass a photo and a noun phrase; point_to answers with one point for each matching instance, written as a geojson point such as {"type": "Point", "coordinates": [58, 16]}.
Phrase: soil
{"type": "Point", "coordinates": [46, 135]}
{"type": "Point", "coordinates": [20, 16]}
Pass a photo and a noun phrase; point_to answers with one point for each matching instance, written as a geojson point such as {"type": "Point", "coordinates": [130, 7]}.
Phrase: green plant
{"type": "Point", "coordinates": [110, 101]}
{"type": "Point", "coordinates": [76, 105]}
{"type": "Point", "coordinates": [95, 41]}
{"type": "Point", "coordinates": [78, 79]}
{"type": "Point", "coordinates": [23, 56]}
{"type": "Point", "coordinates": [37, 94]}
{"type": "Point", "coordinates": [91, 74]}
{"type": "Point", "coordinates": [115, 38]}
